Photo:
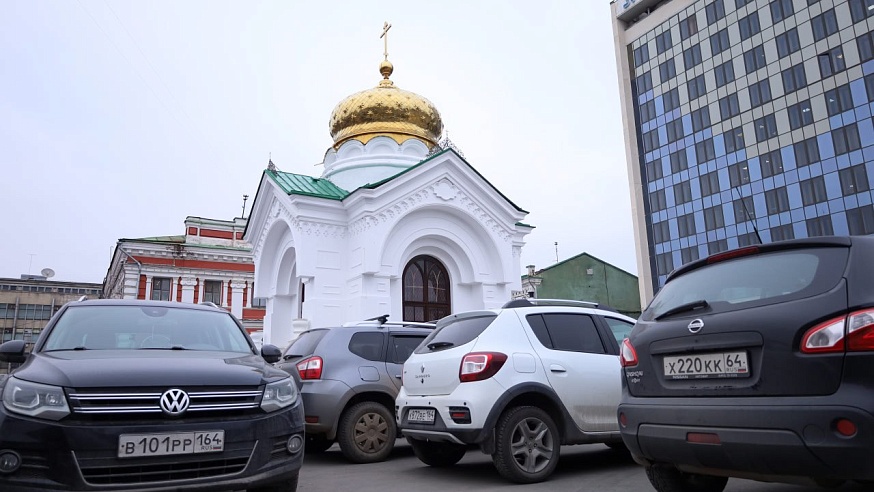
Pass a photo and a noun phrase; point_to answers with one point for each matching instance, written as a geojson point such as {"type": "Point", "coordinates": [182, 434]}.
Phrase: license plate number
{"type": "Point", "coordinates": [138, 445]}
{"type": "Point", "coordinates": [425, 416]}
{"type": "Point", "coordinates": [701, 366]}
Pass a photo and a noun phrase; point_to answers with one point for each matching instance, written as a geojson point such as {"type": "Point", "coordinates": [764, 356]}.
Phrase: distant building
{"type": "Point", "coordinates": [209, 263]}
{"type": "Point", "coordinates": [27, 304]}
{"type": "Point", "coordinates": [585, 278]}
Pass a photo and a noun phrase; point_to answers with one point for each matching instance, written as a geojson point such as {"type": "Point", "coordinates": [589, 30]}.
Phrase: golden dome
{"type": "Point", "coordinates": [387, 111]}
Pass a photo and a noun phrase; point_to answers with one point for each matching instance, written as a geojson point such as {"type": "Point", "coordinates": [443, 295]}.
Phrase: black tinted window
{"type": "Point", "coordinates": [756, 280]}
{"type": "Point", "coordinates": [402, 347]}
{"type": "Point", "coordinates": [305, 344]}
{"type": "Point", "coordinates": [453, 332]}
{"type": "Point", "coordinates": [566, 331]}
{"type": "Point", "coordinates": [368, 345]}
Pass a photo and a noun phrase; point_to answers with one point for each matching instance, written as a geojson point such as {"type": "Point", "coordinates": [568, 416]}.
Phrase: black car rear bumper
{"type": "Point", "coordinates": [82, 456]}
{"type": "Point", "coordinates": [774, 439]}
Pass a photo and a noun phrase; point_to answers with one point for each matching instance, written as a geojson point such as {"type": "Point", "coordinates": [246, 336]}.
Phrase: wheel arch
{"type": "Point", "coordinates": [384, 399]}
{"type": "Point", "coordinates": [530, 394]}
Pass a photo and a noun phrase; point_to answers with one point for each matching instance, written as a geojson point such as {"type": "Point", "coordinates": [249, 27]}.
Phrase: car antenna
{"type": "Point", "coordinates": [382, 319]}
{"type": "Point", "coordinates": [747, 212]}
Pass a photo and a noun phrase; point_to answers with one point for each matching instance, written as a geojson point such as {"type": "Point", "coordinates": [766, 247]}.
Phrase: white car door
{"type": "Point", "coordinates": [579, 369]}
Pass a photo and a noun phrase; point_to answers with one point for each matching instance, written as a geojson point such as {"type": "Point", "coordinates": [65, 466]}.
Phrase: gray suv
{"type": "Point", "coordinates": [350, 376]}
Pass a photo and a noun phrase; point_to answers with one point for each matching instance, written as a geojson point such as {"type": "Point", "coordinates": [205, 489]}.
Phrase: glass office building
{"type": "Point", "coordinates": [745, 121]}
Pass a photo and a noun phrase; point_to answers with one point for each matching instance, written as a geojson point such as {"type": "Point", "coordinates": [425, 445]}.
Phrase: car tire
{"type": "Point", "coordinates": [289, 485]}
{"type": "Point", "coordinates": [666, 478]}
{"type": "Point", "coordinates": [527, 445]}
{"type": "Point", "coordinates": [437, 454]}
{"type": "Point", "coordinates": [317, 443]}
{"type": "Point", "coordinates": [367, 432]}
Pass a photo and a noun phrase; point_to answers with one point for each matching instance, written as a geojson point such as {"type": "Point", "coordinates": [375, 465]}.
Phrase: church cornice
{"type": "Point", "coordinates": [442, 191]}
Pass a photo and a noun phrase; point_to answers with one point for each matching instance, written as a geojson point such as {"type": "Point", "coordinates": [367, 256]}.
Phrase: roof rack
{"type": "Point", "coordinates": [383, 320]}
{"type": "Point", "coordinates": [209, 303]}
{"type": "Point", "coordinates": [530, 302]}
{"type": "Point", "coordinates": [83, 298]}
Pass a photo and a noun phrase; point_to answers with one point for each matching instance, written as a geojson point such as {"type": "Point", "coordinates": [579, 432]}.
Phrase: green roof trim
{"type": "Point", "coordinates": [298, 184]}
{"type": "Point", "coordinates": [181, 240]}
{"type": "Point", "coordinates": [162, 239]}
{"type": "Point", "coordinates": [522, 224]}
{"type": "Point", "coordinates": [386, 180]}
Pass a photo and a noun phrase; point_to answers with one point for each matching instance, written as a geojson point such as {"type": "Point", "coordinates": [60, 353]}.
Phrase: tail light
{"type": "Point", "coordinates": [310, 368]}
{"type": "Point", "coordinates": [853, 332]}
{"type": "Point", "coordinates": [477, 366]}
{"type": "Point", "coordinates": [860, 331]}
{"type": "Point", "coordinates": [627, 354]}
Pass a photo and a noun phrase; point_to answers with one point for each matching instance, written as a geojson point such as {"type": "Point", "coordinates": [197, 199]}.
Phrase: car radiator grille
{"type": "Point", "coordinates": [103, 471]}
{"type": "Point", "coordinates": [144, 402]}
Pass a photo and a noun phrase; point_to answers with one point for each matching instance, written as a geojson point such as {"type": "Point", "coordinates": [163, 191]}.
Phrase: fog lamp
{"type": "Point", "coordinates": [9, 461]}
{"type": "Point", "coordinates": [294, 444]}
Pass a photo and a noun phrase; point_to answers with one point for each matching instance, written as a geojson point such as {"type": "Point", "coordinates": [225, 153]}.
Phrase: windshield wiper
{"type": "Point", "coordinates": [689, 306]}
{"type": "Point", "coordinates": [437, 345]}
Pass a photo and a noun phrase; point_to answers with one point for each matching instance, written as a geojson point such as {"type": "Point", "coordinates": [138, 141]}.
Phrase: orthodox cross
{"type": "Point", "coordinates": [384, 36]}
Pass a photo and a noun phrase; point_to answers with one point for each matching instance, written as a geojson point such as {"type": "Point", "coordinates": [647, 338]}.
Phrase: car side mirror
{"type": "Point", "coordinates": [13, 351]}
{"type": "Point", "coordinates": [271, 353]}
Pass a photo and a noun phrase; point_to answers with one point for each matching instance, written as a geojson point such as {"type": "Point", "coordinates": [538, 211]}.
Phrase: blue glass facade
{"type": "Point", "coordinates": [754, 119]}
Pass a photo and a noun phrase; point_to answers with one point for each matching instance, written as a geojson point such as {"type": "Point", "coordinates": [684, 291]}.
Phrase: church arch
{"type": "Point", "coordinates": [426, 290]}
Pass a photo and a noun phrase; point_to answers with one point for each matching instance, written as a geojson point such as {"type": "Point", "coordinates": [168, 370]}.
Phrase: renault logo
{"type": "Point", "coordinates": [695, 325]}
{"type": "Point", "coordinates": [422, 368]}
{"type": "Point", "coordinates": [174, 402]}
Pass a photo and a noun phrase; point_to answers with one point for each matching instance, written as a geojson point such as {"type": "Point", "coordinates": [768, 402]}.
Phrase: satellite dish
{"type": "Point", "coordinates": [47, 272]}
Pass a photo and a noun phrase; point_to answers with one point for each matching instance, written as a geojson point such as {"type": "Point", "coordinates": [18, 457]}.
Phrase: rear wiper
{"type": "Point", "coordinates": [689, 306]}
{"type": "Point", "coordinates": [437, 345]}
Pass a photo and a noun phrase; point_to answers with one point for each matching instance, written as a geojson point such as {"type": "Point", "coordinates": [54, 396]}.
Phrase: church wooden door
{"type": "Point", "coordinates": [426, 290]}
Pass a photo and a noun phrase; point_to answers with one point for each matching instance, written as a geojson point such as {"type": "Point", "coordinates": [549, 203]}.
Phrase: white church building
{"type": "Point", "coordinates": [397, 224]}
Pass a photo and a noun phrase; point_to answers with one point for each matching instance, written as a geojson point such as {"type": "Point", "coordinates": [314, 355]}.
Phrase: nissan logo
{"type": "Point", "coordinates": [174, 402]}
{"type": "Point", "coordinates": [695, 325]}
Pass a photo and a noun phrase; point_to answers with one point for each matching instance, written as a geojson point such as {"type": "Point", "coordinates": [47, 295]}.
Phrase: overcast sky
{"type": "Point", "coordinates": [118, 119]}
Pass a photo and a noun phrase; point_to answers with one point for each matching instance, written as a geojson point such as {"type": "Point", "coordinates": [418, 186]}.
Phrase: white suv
{"type": "Point", "coordinates": [518, 382]}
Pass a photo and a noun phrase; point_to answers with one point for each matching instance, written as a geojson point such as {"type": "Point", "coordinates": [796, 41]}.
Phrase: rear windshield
{"type": "Point", "coordinates": [454, 332]}
{"type": "Point", "coordinates": [750, 281]}
{"type": "Point", "coordinates": [305, 344]}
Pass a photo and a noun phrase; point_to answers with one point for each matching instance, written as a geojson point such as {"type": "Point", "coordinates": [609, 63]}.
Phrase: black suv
{"type": "Point", "coordinates": [756, 363]}
{"type": "Point", "coordinates": [129, 395]}
{"type": "Point", "coordinates": [350, 376]}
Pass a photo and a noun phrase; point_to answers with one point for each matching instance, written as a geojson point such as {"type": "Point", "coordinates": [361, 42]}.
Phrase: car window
{"type": "Point", "coordinates": [145, 327]}
{"type": "Point", "coordinates": [305, 344]}
{"type": "Point", "coordinates": [538, 326]}
{"type": "Point", "coordinates": [454, 332]}
{"type": "Point", "coordinates": [402, 346]}
{"type": "Point", "coordinates": [619, 327]}
{"type": "Point", "coordinates": [571, 332]}
{"type": "Point", "coordinates": [756, 280]}
{"type": "Point", "coordinates": [368, 345]}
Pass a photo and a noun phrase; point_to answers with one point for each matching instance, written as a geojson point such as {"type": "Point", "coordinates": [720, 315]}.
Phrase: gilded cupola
{"type": "Point", "coordinates": [387, 111]}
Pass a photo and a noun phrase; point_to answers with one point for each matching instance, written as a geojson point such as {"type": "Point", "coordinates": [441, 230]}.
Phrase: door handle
{"type": "Point", "coordinates": [557, 368]}
{"type": "Point", "coordinates": [398, 376]}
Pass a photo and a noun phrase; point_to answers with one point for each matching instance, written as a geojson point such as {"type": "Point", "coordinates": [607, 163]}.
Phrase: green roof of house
{"type": "Point", "coordinates": [298, 184]}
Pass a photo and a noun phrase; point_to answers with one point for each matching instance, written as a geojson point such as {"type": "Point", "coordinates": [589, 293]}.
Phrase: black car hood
{"type": "Point", "coordinates": [138, 368]}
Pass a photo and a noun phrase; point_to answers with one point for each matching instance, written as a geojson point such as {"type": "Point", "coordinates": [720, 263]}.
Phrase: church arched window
{"type": "Point", "coordinates": [426, 290]}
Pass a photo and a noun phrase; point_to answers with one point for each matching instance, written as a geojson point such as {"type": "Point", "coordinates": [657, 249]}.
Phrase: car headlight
{"type": "Point", "coordinates": [34, 399]}
{"type": "Point", "coordinates": [279, 395]}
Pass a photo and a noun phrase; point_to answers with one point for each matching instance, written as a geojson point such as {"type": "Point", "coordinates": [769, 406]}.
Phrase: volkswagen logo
{"type": "Point", "coordinates": [695, 325]}
{"type": "Point", "coordinates": [174, 402]}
